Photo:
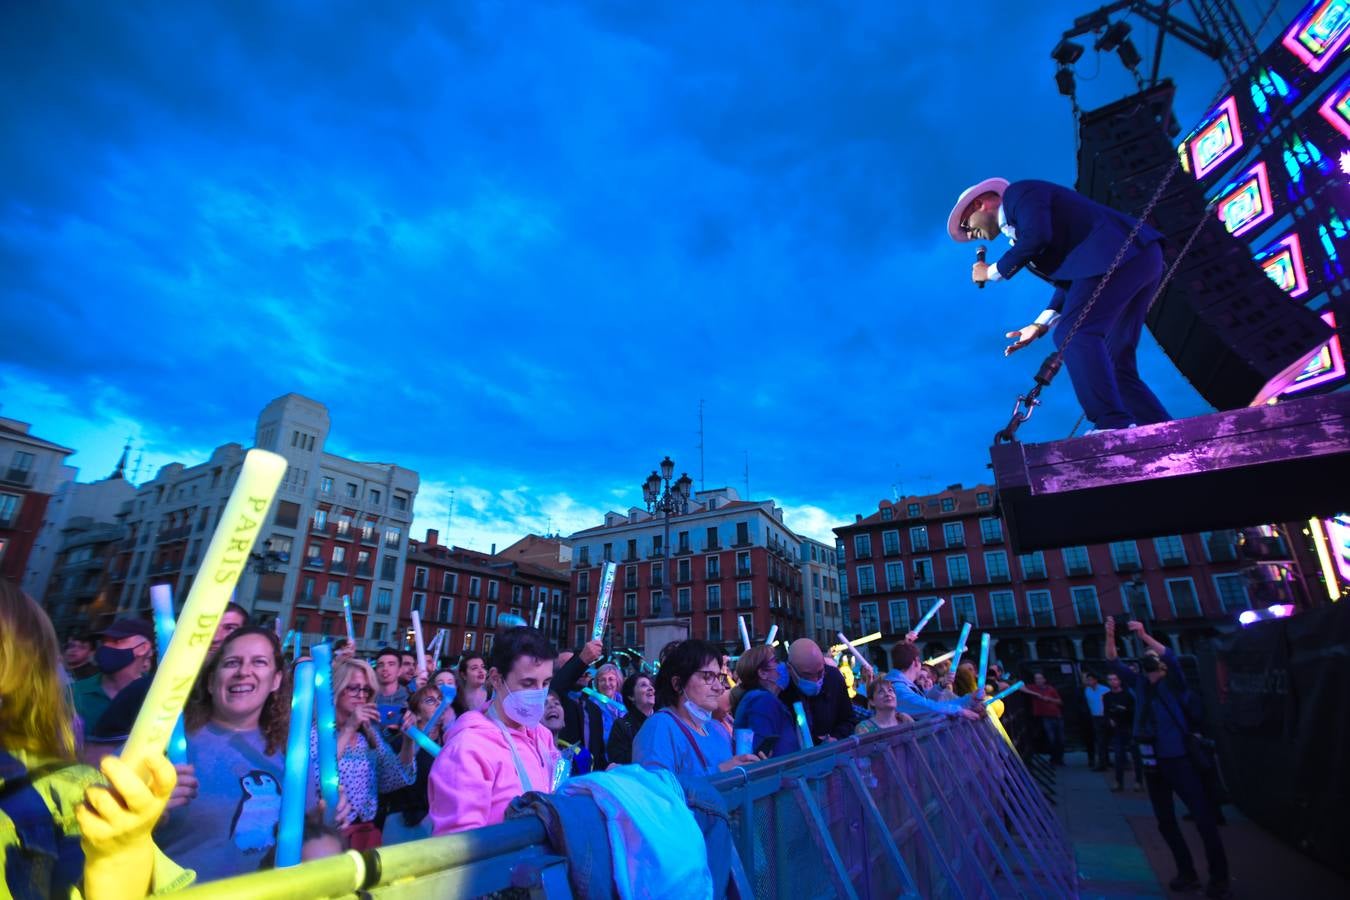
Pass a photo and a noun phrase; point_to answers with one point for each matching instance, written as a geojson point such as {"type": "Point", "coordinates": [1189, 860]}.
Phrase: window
{"type": "Point", "coordinates": [630, 634]}
{"type": "Point", "coordinates": [393, 537]}
{"type": "Point", "coordinates": [374, 496]}
{"type": "Point", "coordinates": [895, 576]}
{"type": "Point", "coordinates": [862, 546]}
{"type": "Point", "coordinates": [1005, 608]}
{"type": "Point", "coordinates": [9, 509]}
{"type": "Point", "coordinates": [682, 542]}
{"type": "Point", "coordinates": [307, 588]}
{"type": "Point", "coordinates": [654, 601]}
{"type": "Point", "coordinates": [899, 610]}
{"type": "Point", "coordinates": [923, 572]}
{"type": "Point", "coordinates": [954, 533]}
{"type": "Point", "coordinates": [419, 602]}
{"type": "Point", "coordinates": [743, 564]}
{"type": "Point", "coordinates": [288, 515]}
{"type": "Point", "coordinates": [983, 498]}
{"type": "Point", "coordinates": [918, 537]}
{"type": "Point", "coordinates": [1181, 593]}
{"type": "Point", "coordinates": [331, 590]}
{"type": "Point", "coordinates": [608, 552]}
{"type": "Point", "coordinates": [744, 594]}
{"type": "Point", "coordinates": [1171, 551]}
{"type": "Point", "coordinates": [1125, 556]}
{"type": "Point", "coordinates": [449, 582]}
{"type": "Point", "coordinates": [359, 596]}
{"type": "Point", "coordinates": [384, 598]}
{"type": "Point", "coordinates": [22, 463]}
{"type": "Point", "coordinates": [867, 580]}
{"type": "Point", "coordinates": [869, 618]}
{"type": "Point", "coordinates": [913, 510]}
{"type": "Point", "coordinates": [515, 595]}
{"type": "Point", "coordinates": [996, 565]}
{"type": "Point", "coordinates": [1085, 605]}
{"type": "Point", "coordinates": [948, 504]}
{"type": "Point", "coordinates": [632, 549]}
{"type": "Point", "coordinates": [1220, 546]}
{"type": "Point", "coordinates": [494, 589]}
{"type": "Point", "coordinates": [1134, 600]}
{"type": "Point", "coordinates": [715, 629]}
{"type": "Point", "coordinates": [475, 586]}
{"type": "Point", "coordinates": [378, 633]}
{"type": "Point", "coordinates": [582, 605]}
{"type": "Point", "coordinates": [742, 533]}
{"type": "Point", "coordinates": [887, 513]}
{"type": "Point", "coordinates": [420, 577]}
{"type": "Point", "coordinates": [958, 569]}
{"type": "Point", "coordinates": [326, 485]}
{"type": "Point", "coordinates": [714, 566]}
{"type": "Point", "coordinates": [445, 609]}
{"type": "Point", "coordinates": [1033, 565]}
{"type": "Point", "coordinates": [991, 530]}
{"type": "Point", "coordinates": [963, 607]}
{"type": "Point", "coordinates": [1076, 560]}
{"type": "Point", "coordinates": [710, 540]}
{"type": "Point", "coordinates": [1232, 591]}
{"type": "Point", "coordinates": [490, 615]}
{"type": "Point", "coordinates": [584, 557]}
{"type": "Point", "coordinates": [583, 582]}
{"type": "Point", "coordinates": [630, 604]}
{"type": "Point", "coordinates": [351, 490]}
{"type": "Point", "coordinates": [682, 600]}
{"type": "Point", "coordinates": [468, 641]}
{"type": "Point", "coordinates": [487, 643]}
{"type": "Point", "coordinates": [320, 519]}
{"type": "Point", "coordinates": [682, 570]}
{"type": "Point", "coordinates": [400, 502]}
{"type": "Point", "coordinates": [890, 543]}
{"type": "Point", "coordinates": [363, 563]}
{"type": "Point", "coordinates": [1041, 609]}
{"type": "Point", "coordinates": [658, 545]}
{"type": "Point", "coordinates": [471, 617]}
{"type": "Point", "coordinates": [388, 566]}
{"type": "Point", "coordinates": [714, 596]}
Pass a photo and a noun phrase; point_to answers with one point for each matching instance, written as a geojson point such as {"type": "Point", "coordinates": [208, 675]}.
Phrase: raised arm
{"type": "Point", "coordinates": [1149, 641]}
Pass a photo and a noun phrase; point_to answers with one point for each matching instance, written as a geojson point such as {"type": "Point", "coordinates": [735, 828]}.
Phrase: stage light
{"type": "Point", "coordinates": [1129, 54]}
{"type": "Point", "coordinates": [1247, 617]}
{"type": "Point", "coordinates": [1319, 33]}
{"type": "Point", "coordinates": [1066, 52]}
{"type": "Point", "coordinates": [1113, 36]}
{"type": "Point", "coordinates": [1345, 162]}
{"type": "Point", "coordinates": [1336, 107]}
{"type": "Point", "coordinates": [1326, 366]}
{"type": "Point", "coordinates": [1282, 610]}
{"type": "Point", "coordinates": [1065, 80]}
{"type": "Point", "coordinates": [1215, 140]}
{"type": "Point", "coordinates": [1246, 202]}
{"type": "Point", "coordinates": [1282, 261]}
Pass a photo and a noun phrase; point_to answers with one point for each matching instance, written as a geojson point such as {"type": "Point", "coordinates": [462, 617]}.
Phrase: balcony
{"type": "Point", "coordinates": [1172, 562]}
{"type": "Point", "coordinates": [920, 547]}
{"type": "Point", "coordinates": [1035, 574]}
{"type": "Point", "coordinates": [365, 571]}
{"type": "Point", "coordinates": [712, 547]}
{"type": "Point", "coordinates": [863, 554]}
{"type": "Point", "coordinates": [344, 532]}
{"type": "Point", "coordinates": [960, 580]}
{"type": "Point", "coordinates": [318, 527]}
{"type": "Point", "coordinates": [745, 602]}
{"type": "Point", "coordinates": [743, 572]}
{"type": "Point", "coordinates": [1127, 565]}
{"type": "Point", "coordinates": [1077, 571]}
{"type": "Point", "coordinates": [338, 567]}
{"type": "Point", "coordinates": [18, 477]}
{"type": "Point", "coordinates": [955, 542]}
{"type": "Point", "coordinates": [992, 539]}
{"type": "Point", "coordinates": [999, 577]}
{"type": "Point", "coordinates": [683, 549]}
{"type": "Point", "coordinates": [314, 562]}
{"type": "Point", "coordinates": [173, 534]}
{"type": "Point", "coordinates": [890, 551]}
{"type": "Point", "coordinates": [922, 584]}
{"type": "Point", "coordinates": [369, 538]}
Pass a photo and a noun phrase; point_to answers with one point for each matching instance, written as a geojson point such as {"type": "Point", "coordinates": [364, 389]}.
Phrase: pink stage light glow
{"type": "Point", "coordinates": [1327, 366]}
{"type": "Point", "coordinates": [1319, 33]}
{"type": "Point", "coordinates": [1246, 203]}
{"type": "Point", "coordinates": [1336, 108]}
{"type": "Point", "coordinates": [1283, 262]}
{"type": "Point", "coordinates": [1216, 139]}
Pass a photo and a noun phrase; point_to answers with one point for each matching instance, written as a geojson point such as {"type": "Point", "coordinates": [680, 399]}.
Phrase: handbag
{"type": "Point", "coordinates": [1200, 750]}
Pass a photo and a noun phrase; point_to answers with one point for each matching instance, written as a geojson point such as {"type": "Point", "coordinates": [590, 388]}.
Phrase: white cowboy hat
{"type": "Point", "coordinates": [996, 185]}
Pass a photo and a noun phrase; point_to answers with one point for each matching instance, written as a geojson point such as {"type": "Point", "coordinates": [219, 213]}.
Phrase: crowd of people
{"type": "Point", "coordinates": [521, 718]}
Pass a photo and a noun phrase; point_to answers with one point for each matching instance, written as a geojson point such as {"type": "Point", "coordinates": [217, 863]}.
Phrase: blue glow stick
{"type": "Point", "coordinates": [422, 740]}
{"type": "Point", "coordinates": [290, 831]}
{"type": "Point", "coordinates": [511, 620]}
{"type": "Point", "coordinates": [602, 600]}
{"type": "Point", "coordinates": [803, 730]}
{"type": "Point", "coordinates": [161, 600]}
{"type": "Point", "coordinates": [961, 644]}
{"type": "Point", "coordinates": [1010, 689]}
{"type": "Point", "coordinates": [928, 615]}
{"type": "Point", "coordinates": [984, 662]}
{"type": "Point", "coordinates": [538, 613]}
{"type": "Point", "coordinates": [347, 614]}
{"type": "Point", "coordinates": [447, 697]}
{"type": "Point", "coordinates": [614, 705]}
{"type": "Point", "coordinates": [325, 724]}
{"type": "Point", "coordinates": [297, 647]}
{"type": "Point", "coordinates": [286, 642]}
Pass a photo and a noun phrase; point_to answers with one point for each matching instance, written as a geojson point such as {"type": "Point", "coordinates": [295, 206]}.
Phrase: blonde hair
{"type": "Point", "coordinates": [345, 669]}
{"type": "Point", "coordinates": [35, 712]}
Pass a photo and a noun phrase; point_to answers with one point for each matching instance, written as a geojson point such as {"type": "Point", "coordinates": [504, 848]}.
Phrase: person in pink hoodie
{"type": "Point", "coordinates": [493, 755]}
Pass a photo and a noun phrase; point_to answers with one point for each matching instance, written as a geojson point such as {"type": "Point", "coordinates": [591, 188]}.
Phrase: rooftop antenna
{"type": "Point", "coordinates": [136, 475]}
{"type": "Point", "coordinates": [702, 482]}
{"type": "Point", "coordinates": [450, 518]}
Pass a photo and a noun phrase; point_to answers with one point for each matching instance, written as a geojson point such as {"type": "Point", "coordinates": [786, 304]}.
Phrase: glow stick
{"type": "Point", "coordinates": [290, 830]}
{"type": "Point", "coordinates": [984, 662]}
{"type": "Point", "coordinates": [347, 614]}
{"type": "Point", "coordinates": [960, 650]}
{"type": "Point", "coordinates": [286, 641]}
{"type": "Point", "coordinates": [297, 647]}
{"type": "Point", "coordinates": [511, 620]}
{"type": "Point", "coordinates": [161, 600]}
{"type": "Point", "coordinates": [856, 654]}
{"type": "Point", "coordinates": [773, 633]}
{"type": "Point", "coordinates": [602, 600]}
{"type": "Point", "coordinates": [421, 647]}
{"type": "Point", "coordinates": [436, 642]}
{"type": "Point", "coordinates": [447, 697]}
{"type": "Point", "coordinates": [867, 639]}
{"type": "Point", "coordinates": [803, 730]}
{"type": "Point", "coordinates": [745, 635]}
{"type": "Point", "coordinates": [1010, 689]}
{"type": "Point", "coordinates": [325, 726]}
{"type": "Point", "coordinates": [422, 740]}
{"type": "Point", "coordinates": [539, 613]}
{"type": "Point", "coordinates": [613, 705]}
{"type": "Point", "coordinates": [226, 556]}
{"type": "Point", "coordinates": [929, 615]}
{"type": "Point", "coordinates": [939, 659]}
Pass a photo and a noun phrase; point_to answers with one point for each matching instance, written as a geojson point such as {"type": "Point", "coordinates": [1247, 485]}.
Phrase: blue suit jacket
{"type": "Point", "coordinates": [1063, 235]}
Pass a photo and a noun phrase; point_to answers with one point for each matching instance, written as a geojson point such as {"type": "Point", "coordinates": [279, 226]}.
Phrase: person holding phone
{"type": "Point", "coordinates": [367, 765]}
{"type": "Point", "coordinates": [763, 678]}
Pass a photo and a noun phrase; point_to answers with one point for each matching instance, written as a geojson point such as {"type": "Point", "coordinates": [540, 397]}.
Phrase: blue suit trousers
{"type": "Point", "coordinates": [1101, 356]}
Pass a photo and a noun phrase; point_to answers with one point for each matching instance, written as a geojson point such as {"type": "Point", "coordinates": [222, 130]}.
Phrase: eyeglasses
{"type": "Point", "coordinates": [712, 678]}
{"type": "Point", "coordinates": [359, 690]}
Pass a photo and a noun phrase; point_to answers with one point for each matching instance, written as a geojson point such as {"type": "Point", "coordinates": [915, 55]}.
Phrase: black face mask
{"type": "Point", "coordinates": [110, 659]}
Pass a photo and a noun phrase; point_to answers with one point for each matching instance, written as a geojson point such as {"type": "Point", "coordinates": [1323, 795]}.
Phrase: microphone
{"type": "Point", "coordinates": [979, 257]}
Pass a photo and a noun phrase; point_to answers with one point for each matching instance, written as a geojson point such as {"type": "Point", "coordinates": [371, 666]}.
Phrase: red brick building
{"type": "Point", "coordinates": [464, 591]}
{"type": "Point", "coordinates": [30, 471]}
{"type": "Point", "coordinates": [728, 558]}
{"type": "Point", "coordinates": [1047, 604]}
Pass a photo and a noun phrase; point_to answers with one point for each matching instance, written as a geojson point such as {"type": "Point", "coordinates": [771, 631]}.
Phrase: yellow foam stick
{"type": "Point", "coordinates": [226, 556]}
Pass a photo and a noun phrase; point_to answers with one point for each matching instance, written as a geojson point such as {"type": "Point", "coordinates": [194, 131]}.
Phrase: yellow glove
{"type": "Point", "coordinates": [116, 825]}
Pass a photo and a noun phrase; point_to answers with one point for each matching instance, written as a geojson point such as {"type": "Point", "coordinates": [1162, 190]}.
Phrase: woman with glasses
{"type": "Point", "coordinates": [403, 813]}
{"type": "Point", "coordinates": [223, 814]}
{"type": "Point", "coordinates": [681, 735]}
{"type": "Point", "coordinates": [762, 677]}
{"type": "Point", "coordinates": [367, 766]}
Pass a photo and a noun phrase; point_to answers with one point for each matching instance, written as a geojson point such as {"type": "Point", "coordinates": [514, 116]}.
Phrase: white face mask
{"type": "Point", "coordinates": [525, 706]}
{"type": "Point", "coordinates": [696, 712]}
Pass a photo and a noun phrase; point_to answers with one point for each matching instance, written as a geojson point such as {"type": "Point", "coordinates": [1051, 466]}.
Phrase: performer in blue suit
{"type": "Point", "coordinates": [1070, 241]}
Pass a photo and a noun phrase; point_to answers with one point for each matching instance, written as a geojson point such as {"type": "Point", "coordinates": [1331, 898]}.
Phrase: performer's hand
{"type": "Point", "coordinates": [979, 272]}
{"type": "Point", "coordinates": [1025, 335]}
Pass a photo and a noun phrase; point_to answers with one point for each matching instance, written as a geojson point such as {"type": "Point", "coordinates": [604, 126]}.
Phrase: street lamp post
{"type": "Point", "coordinates": [668, 499]}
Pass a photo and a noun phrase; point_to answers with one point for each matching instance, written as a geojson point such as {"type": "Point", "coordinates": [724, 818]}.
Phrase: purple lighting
{"type": "Point", "coordinates": [1247, 617]}
{"type": "Point", "coordinates": [1319, 33]}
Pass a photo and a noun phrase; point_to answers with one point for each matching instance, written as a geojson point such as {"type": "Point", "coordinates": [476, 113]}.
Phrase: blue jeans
{"type": "Point", "coordinates": [1054, 736]}
{"type": "Point", "coordinates": [1100, 358]}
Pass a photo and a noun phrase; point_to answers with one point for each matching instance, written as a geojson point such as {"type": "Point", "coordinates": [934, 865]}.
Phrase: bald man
{"type": "Point", "coordinates": [821, 690]}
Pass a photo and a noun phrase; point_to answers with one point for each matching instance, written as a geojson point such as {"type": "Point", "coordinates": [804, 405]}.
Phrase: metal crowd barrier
{"type": "Point", "coordinates": [936, 809]}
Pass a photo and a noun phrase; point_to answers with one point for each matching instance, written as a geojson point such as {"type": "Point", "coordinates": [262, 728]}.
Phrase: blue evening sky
{"type": "Point", "coordinates": [512, 245]}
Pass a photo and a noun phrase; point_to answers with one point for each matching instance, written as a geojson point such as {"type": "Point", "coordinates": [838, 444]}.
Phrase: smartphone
{"type": "Point", "coordinates": [391, 715]}
{"type": "Point", "coordinates": [766, 744]}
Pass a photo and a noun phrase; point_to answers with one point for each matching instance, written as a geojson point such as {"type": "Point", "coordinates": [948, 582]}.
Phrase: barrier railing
{"type": "Point", "coordinates": [936, 809]}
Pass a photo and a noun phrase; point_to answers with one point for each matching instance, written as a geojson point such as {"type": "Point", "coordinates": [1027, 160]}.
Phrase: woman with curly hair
{"type": "Point", "coordinates": [224, 812]}
{"type": "Point", "coordinates": [367, 766]}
